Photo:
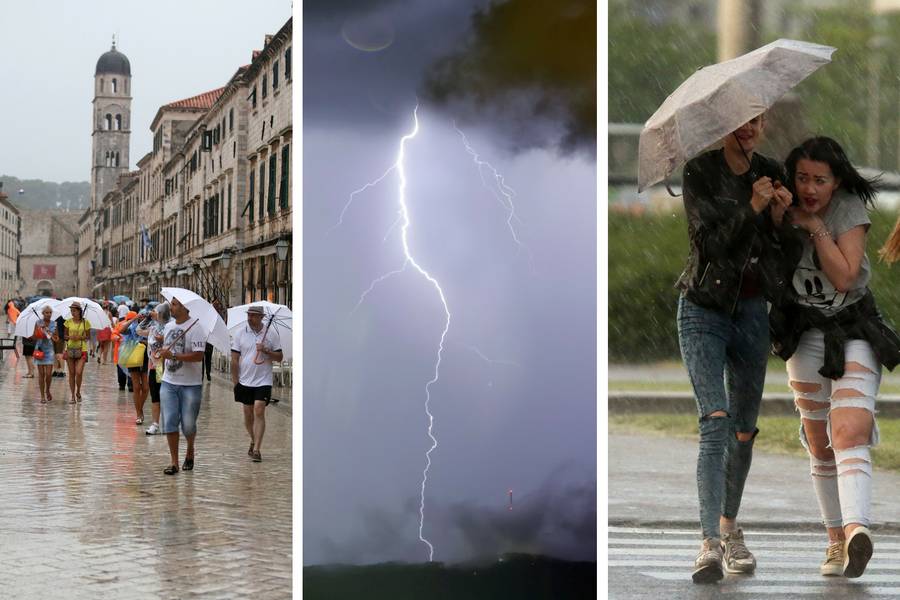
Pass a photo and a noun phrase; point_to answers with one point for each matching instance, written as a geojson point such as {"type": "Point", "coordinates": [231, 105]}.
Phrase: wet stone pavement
{"type": "Point", "coordinates": [86, 511]}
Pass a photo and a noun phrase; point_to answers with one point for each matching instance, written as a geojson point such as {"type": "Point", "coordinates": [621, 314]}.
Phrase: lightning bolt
{"type": "Point", "coordinates": [405, 223]}
{"type": "Point", "coordinates": [502, 192]}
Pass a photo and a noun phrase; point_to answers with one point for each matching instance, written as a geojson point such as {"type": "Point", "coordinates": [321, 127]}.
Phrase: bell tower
{"type": "Point", "coordinates": [111, 123]}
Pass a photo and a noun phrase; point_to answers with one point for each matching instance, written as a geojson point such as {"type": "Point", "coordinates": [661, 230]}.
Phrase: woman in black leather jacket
{"type": "Point", "coordinates": [735, 203]}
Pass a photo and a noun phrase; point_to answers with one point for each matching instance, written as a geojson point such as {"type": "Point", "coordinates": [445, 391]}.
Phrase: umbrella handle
{"type": "Point", "coordinates": [258, 359]}
{"type": "Point", "coordinates": [174, 341]}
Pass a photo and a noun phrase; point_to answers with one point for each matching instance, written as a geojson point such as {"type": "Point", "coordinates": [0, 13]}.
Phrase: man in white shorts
{"type": "Point", "coordinates": [253, 349]}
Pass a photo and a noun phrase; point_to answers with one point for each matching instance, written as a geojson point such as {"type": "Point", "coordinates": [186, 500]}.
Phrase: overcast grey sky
{"type": "Point", "coordinates": [177, 49]}
{"type": "Point", "coordinates": [515, 405]}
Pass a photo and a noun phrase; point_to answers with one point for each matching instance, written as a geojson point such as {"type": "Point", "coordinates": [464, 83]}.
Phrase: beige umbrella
{"type": "Point", "coordinates": [718, 99]}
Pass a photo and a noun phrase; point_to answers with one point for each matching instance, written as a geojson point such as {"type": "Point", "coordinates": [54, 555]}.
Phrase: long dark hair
{"type": "Point", "coordinates": [826, 150]}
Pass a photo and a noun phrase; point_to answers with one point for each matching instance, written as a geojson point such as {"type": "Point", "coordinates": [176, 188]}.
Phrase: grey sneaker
{"type": "Point", "coordinates": [708, 565]}
{"type": "Point", "coordinates": [857, 552]}
{"type": "Point", "coordinates": [153, 429]}
{"type": "Point", "coordinates": [737, 558]}
{"type": "Point", "coordinates": [834, 559]}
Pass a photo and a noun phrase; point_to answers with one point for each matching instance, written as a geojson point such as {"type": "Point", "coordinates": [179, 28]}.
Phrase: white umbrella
{"type": "Point", "coordinates": [90, 311]}
{"type": "Point", "coordinates": [718, 99]}
{"type": "Point", "coordinates": [31, 314]}
{"type": "Point", "coordinates": [207, 315]}
{"type": "Point", "coordinates": [278, 317]}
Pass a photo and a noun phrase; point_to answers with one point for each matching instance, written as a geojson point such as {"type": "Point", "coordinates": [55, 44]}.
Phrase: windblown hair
{"type": "Point", "coordinates": [826, 150]}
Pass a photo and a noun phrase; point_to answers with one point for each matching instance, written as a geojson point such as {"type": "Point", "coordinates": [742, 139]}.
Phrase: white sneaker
{"type": "Point", "coordinates": [857, 552]}
{"type": "Point", "coordinates": [708, 566]}
{"type": "Point", "coordinates": [736, 558]}
{"type": "Point", "coordinates": [834, 559]}
{"type": "Point", "coordinates": [153, 429]}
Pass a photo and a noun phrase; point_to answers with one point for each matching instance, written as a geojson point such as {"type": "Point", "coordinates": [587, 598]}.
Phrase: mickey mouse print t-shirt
{"type": "Point", "coordinates": [194, 340]}
{"type": "Point", "coordinates": [844, 212]}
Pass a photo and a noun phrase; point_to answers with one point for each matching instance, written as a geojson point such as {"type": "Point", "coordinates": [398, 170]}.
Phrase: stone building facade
{"type": "Point", "coordinates": [49, 252]}
{"type": "Point", "coordinates": [10, 247]}
{"type": "Point", "coordinates": [192, 214]}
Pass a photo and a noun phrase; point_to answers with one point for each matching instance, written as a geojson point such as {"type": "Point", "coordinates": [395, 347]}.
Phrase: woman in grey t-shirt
{"type": "Point", "coordinates": [830, 285]}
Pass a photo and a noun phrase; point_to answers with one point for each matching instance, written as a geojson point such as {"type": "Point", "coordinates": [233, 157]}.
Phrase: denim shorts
{"type": "Point", "coordinates": [180, 405]}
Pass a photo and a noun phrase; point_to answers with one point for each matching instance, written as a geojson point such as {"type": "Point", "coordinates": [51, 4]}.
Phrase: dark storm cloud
{"type": "Point", "coordinates": [557, 520]}
{"type": "Point", "coordinates": [524, 68]}
{"type": "Point", "coordinates": [526, 64]}
{"type": "Point", "coordinates": [346, 85]}
{"type": "Point", "coordinates": [335, 10]}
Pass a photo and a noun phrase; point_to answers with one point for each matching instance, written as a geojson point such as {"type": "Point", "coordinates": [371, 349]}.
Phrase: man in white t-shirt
{"type": "Point", "coordinates": [183, 342]}
{"type": "Point", "coordinates": [253, 348]}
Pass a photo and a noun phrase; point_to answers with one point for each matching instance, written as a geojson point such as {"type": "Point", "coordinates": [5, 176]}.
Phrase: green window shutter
{"type": "Point", "coordinates": [271, 203]}
{"type": "Point", "coordinates": [285, 175]}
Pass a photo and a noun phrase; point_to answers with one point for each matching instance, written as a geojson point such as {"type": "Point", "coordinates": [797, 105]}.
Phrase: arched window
{"type": "Point", "coordinates": [101, 84]}
{"type": "Point", "coordinates": [106, 160]}
{"type": "Point", "coordinates": [117, 159]}
{"type": "Point", "coordinates": [115, 86]}
{"type": "Point", "coordinates": [108, 124]}
{"type": "Point", "coordinates": [118, 122]}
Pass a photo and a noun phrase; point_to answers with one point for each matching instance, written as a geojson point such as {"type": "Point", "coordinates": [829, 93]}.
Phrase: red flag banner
{"type": "Point", "coordinates": [44, 272]}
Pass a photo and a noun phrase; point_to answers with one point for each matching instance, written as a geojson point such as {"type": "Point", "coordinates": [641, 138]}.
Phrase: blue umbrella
{"type": "Point", "coordinates": [118, 299]}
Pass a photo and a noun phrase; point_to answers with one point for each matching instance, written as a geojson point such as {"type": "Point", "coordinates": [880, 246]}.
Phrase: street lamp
{"type": "Point", "coordinates": [282, 249]}
{"type": "Point", "coordinates": [225, 259]}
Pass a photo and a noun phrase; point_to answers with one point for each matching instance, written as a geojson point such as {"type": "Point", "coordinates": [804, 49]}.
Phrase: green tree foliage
{"type": "Point", "coordinates": [647, 61]}
{"type": "Point", "coordinates": [647, 253]}
{"type": "Point", "coordinates": [47, 194]}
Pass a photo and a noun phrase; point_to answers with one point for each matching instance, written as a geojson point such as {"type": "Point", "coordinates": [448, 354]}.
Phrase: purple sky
{"type": "Point", "coordinates": [525, 421]}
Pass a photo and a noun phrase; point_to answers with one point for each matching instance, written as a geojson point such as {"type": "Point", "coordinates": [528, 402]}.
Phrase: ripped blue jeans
{"type": "Point", "coordinates": [726, 359]}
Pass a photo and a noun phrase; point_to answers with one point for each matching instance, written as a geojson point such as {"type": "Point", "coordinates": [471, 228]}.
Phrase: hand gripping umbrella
{"type": "Point", "coordinates": [717, 100]}
{"type": "Point", "coordinates": [205, 314]}
{"type": "Point", "coordinates": [278, 318]}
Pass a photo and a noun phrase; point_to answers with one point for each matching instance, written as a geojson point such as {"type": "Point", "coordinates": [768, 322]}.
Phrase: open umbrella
{"type": "Point", "coordinates": [718, 99]}
{"type": "Point", "coordinates": [278, 317]}
{"type": "Point", "coordinates": [90, 311]}
{"type": "Point", "coordinates": [209, 319]}
{"type": "Point", "coordinates": [31, 314]}
{"type": "Point", "coordinates": [119, 299]}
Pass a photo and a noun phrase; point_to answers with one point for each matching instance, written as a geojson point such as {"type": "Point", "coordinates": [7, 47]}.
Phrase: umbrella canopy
{"type": "Point", "coordinates": [718, 99]}
{"type": "Point", "coordinates": [90, 310]}
{"type": "Point", "coordinates": [119, 299]}
{"type": "Point", "coordinates": [29, 317]}
{"type": "Point", "coordinates": [204, 311]}
{"type": "Point", "coordinates": [277, 317]}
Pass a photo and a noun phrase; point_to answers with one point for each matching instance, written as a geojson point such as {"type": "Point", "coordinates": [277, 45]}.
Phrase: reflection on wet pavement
{"type": "Point", "coordinates": [86, 511]}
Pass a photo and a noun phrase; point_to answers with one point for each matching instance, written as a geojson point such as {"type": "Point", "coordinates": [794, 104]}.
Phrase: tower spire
{"type": "Point", "coordinates": [113, 41]}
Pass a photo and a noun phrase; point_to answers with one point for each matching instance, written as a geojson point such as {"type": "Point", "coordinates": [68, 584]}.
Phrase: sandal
{"type": "Point", "coordinates": [78, 396]}
{"type": "Point", "coordinates": [43, 401]}
{"type": "Point", "coordinates": [250, 451]}
{"type": "Point", "coordinates": [139, 421]}
{"type": "Point", "coordinates": [171, 470]}
{"type": "Point", "coordinates": [188, 464]}
{"type": "Point", "coordinates": [27, 376]}
{"type": "Point", "coordinates": [72, 401]}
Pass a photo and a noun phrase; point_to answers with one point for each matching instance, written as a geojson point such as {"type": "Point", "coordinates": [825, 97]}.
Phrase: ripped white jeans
{"type": "Point", "coordinates": [843, 485]}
